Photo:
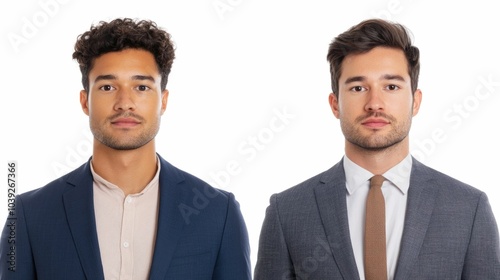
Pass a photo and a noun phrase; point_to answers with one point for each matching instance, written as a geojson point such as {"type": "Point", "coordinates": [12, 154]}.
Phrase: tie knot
{"type": "Point", "coordinates": [376, 181]}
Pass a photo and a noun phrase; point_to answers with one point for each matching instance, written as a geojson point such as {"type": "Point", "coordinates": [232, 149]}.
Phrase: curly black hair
{"type": "Point", "coordinates": [120, 34]}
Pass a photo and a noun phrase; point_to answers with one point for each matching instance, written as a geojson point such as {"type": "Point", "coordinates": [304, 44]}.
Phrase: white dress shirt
{"type": "Point", "coordinates": [126, 228]}
{"type": "Point", "coordinates": [395, 190]}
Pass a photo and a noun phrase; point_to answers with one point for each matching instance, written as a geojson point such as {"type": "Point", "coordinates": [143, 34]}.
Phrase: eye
{"type": "Point", "coordinates": [392, 87]}
{"type": "Point", "coordinates": [357, 88]}
{"type": "Point", "coordinates": [142, 88]}
{"type": "Point", "coordinates": [106, 88]}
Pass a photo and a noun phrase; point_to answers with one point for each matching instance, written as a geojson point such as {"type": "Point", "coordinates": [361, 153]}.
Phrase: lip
{"type": "Point", "coordinates": [125, 122]}
{"type": "Point", "coordinates": [375, 122]}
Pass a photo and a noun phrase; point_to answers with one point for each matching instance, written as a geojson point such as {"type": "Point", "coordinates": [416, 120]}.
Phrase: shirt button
{"type": "Point", "coordinates": [129, 199]}
{"type": "Point", "coordinates": [125, 244]}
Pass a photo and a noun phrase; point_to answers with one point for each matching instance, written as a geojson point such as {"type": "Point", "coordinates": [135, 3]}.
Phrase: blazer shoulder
{"type": "Point", "coordinates": [306, 187]}
{"type": "Point", "coordinates": [452, 187]}
{"type": "Point", "coordinates": [55, 188]}
{"type": "Point", "coordinates": [189, 182]}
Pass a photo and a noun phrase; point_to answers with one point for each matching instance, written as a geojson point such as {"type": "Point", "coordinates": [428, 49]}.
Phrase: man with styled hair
{"type": "Point", "coordinates": [378, 213]}
{"type": "Point", "coordinates": [126, 213]}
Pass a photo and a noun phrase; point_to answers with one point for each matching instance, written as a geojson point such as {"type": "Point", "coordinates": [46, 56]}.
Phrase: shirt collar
{"type": "Point", "coordinates": [398, 176]}
{"type": "Point", "coordinates": [103, 183]}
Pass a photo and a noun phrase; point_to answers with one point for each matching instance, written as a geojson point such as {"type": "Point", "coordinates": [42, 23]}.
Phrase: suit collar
{"type": "Point", "coordinates": [170, 222]}
{"type": "Point", "coordinates": [420, 204]}
{"type": "Point", "coordinates": [78, 201]}
{"type": "Point", "coordinates": [331, 199]}
{"type": "Point", "coordinates": [79, 206]}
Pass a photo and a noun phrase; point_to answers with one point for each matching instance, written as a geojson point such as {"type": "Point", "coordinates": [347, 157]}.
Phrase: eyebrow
{"type": "Point", "coordinates": [135, 77]}
{"type": "Point", "coordinates": [143, 78]}
{"type": "Point", "coordinates": [354, 79]}
{"type": "Point", "coordinates": [383, 77]}
{"type": "Point", "coordinates": [393, 77]}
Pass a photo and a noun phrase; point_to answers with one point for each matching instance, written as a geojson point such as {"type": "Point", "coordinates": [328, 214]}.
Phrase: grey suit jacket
{"type": "Point", "coordinates": [449, 231]}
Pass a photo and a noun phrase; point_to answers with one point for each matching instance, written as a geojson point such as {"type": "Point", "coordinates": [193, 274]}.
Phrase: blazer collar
{"type": "Point", "coordinates": [331, 199]}
{"type": "Point", "coordinates": [170, 222]}
{"type": "Point", "coordinates": [79, 206]}
{"type": "Point", "coordinates": [78, 201]}
{"type": "Point", "coordinates": [420, 204]}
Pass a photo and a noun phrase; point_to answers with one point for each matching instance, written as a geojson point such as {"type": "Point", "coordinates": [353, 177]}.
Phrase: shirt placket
{"type": "Point", "coordinates": [127, 239]}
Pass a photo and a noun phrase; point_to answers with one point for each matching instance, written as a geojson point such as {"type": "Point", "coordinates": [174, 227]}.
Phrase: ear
{"type": "Point", "coordinates": [334, 104]}
{"type": "Point", "coordinates": [84, 101]}
{"type": "Point", "coordinates": [417, 99]}
{"type": "Point", "coordinates": [164, 100]}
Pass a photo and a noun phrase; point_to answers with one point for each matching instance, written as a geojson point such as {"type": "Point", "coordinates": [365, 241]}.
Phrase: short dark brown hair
{"type": "Point", "coordinates": [120, 34]}
{"type": "Point", "coordinates": [367, 35]}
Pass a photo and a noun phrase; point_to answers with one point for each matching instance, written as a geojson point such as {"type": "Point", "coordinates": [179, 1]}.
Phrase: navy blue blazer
{"type": "Point", "coordinates": [201, 233]}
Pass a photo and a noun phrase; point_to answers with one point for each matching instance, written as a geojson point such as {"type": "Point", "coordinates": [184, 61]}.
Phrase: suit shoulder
{"type": "Point", "coordinates": [305, 189]}
{"type": "Point", "coordinates": [196, 182]}
{"type": "Point", "coordinates": [447, 183]}
{"type": "Point", "coordinates": [193, 183]}
{"type": "Point", "coordinates": [51, 190]}
{"type": "Point", "coordinates": [302, 187]}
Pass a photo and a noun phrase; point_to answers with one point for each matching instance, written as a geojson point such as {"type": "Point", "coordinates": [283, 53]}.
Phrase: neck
{"type": "Point", "coordinates": [130, 170]}
{"type": "Point", "coordinates": [378, 161]}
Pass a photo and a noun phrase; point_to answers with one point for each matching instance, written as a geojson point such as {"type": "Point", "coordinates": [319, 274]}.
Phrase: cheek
{"type": "Point", "coordinates": [154, 104]}
{"type": "Point", "coordinates": [150, 107]}
{"type": "Point", "coordinates": [400, 104]}
{"type": "Point", "coordinates": [97, 108]}
{"type": "Point", "coordinates": [348, 106]}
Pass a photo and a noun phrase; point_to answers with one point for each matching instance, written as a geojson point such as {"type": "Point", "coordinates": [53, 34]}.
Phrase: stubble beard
{"type": "Point", "coordinates": [376, 141]}
{"type": "Point", "coordinates": [127, 142]}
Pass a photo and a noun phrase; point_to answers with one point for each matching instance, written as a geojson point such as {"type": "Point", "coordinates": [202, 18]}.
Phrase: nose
{"type": "Point", "coordinates": [374, 102]}
{"type": "Point", "coordinates": [124, 100]}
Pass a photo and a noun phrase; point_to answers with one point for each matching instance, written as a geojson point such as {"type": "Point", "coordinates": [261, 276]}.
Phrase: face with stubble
{"type": "Point", "coordinates": [375, 104]}
{"type": "Point", "coordinates": [124, 102]}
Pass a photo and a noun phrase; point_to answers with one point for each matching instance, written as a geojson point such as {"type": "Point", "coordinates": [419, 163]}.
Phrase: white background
{"type": "Point", "coordinates": [239, 62]}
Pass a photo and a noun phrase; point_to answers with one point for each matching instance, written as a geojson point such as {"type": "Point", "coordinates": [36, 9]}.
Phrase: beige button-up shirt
{"type": "Point", "coordinates": [126, 228]}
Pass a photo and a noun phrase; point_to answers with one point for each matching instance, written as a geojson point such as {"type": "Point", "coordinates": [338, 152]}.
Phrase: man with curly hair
{"type": "Point", "coordinates": [126, 213]}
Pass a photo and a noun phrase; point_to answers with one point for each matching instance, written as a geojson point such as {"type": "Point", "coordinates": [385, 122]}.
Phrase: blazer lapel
{"type": "Point", "coordinates": [331, 199]}
{"type": "Point", "coordinates": [79, 206]}
{"type": "Point", "coordinates": [170, 221]}
{"type": "Point", "coordinates": [421, 197]}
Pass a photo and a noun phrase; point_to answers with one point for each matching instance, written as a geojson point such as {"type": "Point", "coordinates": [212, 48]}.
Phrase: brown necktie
{"type": "Point", "coordinates": [375, 248]}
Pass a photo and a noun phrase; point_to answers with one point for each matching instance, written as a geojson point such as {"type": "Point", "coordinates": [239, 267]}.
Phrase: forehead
{"type": "Point", "coordinates": [376, 62]}
{"type": "Point", "coordinates": [128, 61]}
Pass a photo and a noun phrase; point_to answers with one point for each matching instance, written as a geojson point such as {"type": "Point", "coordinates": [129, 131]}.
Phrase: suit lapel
{"type": "Point", "coordinates": [421, 197]}
{"type": "Point", "coordinates": [331, 199]}
{"type": "Point", "coordinates": [79, 206]}
{"type": "Point", "coordinates": [170, 221]}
